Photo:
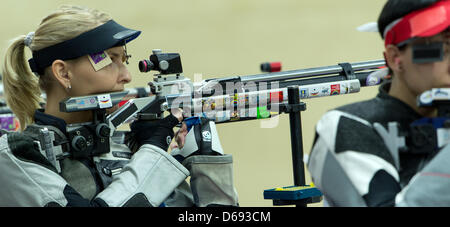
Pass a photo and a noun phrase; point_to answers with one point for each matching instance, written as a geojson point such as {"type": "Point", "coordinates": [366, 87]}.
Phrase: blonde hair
{"type": "Point", "coordinates": [22, 88]}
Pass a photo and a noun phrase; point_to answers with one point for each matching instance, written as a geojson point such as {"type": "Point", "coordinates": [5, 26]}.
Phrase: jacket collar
{"type": "Point", "coordinates": [42, 118]}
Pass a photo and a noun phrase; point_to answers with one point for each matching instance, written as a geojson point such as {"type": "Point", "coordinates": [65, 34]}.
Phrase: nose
{"type": "Point", "coordinates": [124, 75]}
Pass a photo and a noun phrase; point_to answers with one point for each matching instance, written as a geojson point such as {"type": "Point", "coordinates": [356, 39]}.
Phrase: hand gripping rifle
{"type": "Point", "coordinates": [229, 99]}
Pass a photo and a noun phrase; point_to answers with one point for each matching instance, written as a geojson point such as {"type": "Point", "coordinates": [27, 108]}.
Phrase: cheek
{"type": "Point", "coordinates": [418, 79]}
{"type": "Point", "coordinates": [109, 74]}
{"type": "Point", "coordinates": [87, 81]}
{"type": "Point", "coordinates": [426, 77]}
{"type": "Point", "coordinates": [439, 75]}
{"type": "Point", "coordinates": [105, 80]}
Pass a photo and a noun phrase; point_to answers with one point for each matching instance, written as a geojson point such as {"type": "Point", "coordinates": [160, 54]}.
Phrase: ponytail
{"type": "Point", "coordinates": [21, 86]}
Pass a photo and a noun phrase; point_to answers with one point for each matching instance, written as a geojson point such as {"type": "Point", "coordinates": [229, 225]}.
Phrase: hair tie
{"type": "Point", "coordinates": [29, 39]}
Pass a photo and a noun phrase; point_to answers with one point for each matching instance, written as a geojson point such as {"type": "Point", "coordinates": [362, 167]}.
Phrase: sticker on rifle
{"type": "Point", "coordinates": [243, 112]}
{"type": "Point", "coordinates": [343, 88]}
{"type": "Point", "coordinates": [304, 93]}
{"type": "Point", "coordinates": [86, 103]}
{"type": "Point", "coordinates": [325, 91]}
{"type": "Point", "coordinates": [242, 100]}
{"type": "Point", "coordinates": [218, 103]}
{"type": "Point", "coordinates": [354, 87]}
{"type": "Point", "coordinates": [234, 116]}
{"type": "Point", "coordinates": [210, 115]}
{"type": "Point", "coordinates": [262, 112]}
{"type": "Point", "coordinates": [235, 99]}
{"type": "Point", "coordinates": [223, 116]}
{"type": "Point", "coordinates": [335, 89]}
{"type": "Point", "coordinates": [99, 60]}
{"type": "Point", "coordinates": [314, 92]}
{"type": "Point", "coordinates": [441, 94]}
{"type": "Point", "coordinates": [198, 105]}
{"type": "Point", "coordinates": [253, 112]}
{"type": "Point", "coordinates": [276, 97]}
{"type": "Point", "coordinates": [104, 101]}
{"type": "Point", "coordinates": [426, 98]}
{"type": "Point", "coordinates": [253, 99]}
{"type": "Point", "coordinates": [208, 104]}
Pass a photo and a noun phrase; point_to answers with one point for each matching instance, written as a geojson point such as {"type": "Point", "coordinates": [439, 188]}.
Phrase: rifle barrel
{"type": "Point", "coordinates": [318, 71]}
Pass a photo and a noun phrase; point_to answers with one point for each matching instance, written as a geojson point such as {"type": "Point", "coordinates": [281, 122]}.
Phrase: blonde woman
{"type": "Point", "coordinates": [78, 51]}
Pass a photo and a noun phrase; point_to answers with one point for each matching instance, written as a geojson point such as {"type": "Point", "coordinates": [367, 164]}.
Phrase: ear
{"type": "Point", "coordinates": [393, 58]}
{"type": "Point", "coordinates": [60, 71]}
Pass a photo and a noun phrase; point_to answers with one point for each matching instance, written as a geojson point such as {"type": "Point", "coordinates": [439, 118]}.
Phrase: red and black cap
{"type": "Point", "coordinates": [417, 18]}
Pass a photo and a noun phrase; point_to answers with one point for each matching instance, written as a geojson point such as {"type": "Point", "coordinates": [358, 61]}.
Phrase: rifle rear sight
{"type": "Point", "coordinates": [165, 63]}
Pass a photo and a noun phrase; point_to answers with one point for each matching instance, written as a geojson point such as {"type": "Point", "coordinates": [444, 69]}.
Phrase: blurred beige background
{"type": "Point", "coordinates": [219, 38]}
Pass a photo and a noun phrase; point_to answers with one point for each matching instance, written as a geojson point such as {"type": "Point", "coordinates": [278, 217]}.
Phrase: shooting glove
{"type": "Point", "coordinates": [158, 133]}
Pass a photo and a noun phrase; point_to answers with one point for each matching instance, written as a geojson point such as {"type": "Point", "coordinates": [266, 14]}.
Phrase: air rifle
{"type": "Point", "coordinates": [228, 99]}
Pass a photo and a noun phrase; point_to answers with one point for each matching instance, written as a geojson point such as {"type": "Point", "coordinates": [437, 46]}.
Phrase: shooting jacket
{"type": "Point", "coordinates": [148, 177]}
{"type": "Point", "coordinates": [351, 163]}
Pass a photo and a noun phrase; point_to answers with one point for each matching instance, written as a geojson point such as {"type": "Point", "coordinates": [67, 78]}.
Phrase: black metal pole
{"type": "Point", "coordinates": [296, 137]}
{"type": "Point", "coordinates": [295, 123]}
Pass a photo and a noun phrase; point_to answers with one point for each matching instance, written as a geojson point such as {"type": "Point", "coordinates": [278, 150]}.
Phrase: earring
{"type": "Point", "coordinates": [69, 87]}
